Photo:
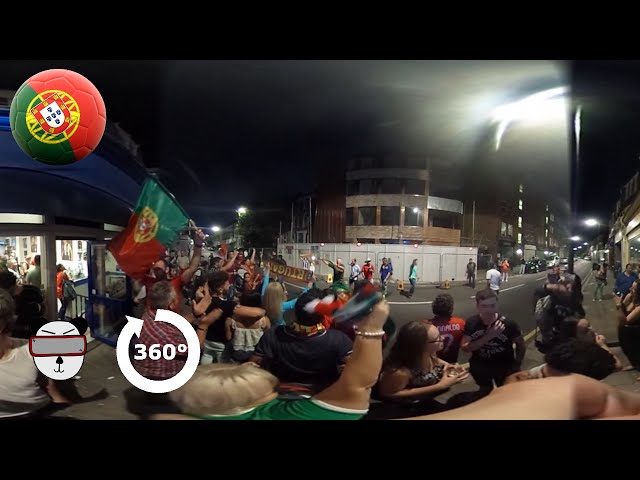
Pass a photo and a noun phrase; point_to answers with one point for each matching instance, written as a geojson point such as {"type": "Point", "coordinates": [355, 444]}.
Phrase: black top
{"type": "Point", "coordinates": [499, 350]}
{"type": "Point", "coordinates": [28, 307]}
{"type": "Point", "coordinates": [215, 333]}
{"type": "Point", "coordinates": [296, 358]}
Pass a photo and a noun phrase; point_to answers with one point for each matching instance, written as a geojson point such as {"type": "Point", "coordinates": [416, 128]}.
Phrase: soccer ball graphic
{"type": "Point", "coordinates": [57, 117]}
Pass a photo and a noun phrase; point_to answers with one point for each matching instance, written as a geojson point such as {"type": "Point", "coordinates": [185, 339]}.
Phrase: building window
{"type": "Point", "coordinates": [506, 230]}
{"type": "Point", "coordinates": [519, 238]}
{"type": "Point", "coordinates": [519, 222]}
{"type": "Point", "coordinates": [412, 219]}
{"type": "Point", "coordinates": [415, 187]}
{"type": "Point", "coordinates": [390, 186]}
{"type": "Point", "coordinates": [367, 216]}
{"type": "Point", "coordinates": [368, 187]}
{"type": "Point", "coordinates": [349, 217]}
{"type": "Point", "coordinates": [551, 216]}
{"type": "Point", "coordinates": [551, 228]}
{"type": "Point", "coordinates": [366, 162]}
{"type": "Point", "coordinates": [389, 215]}
{"type": "Point", "coordinates": [546, 220]}
{"type": "Point", "coordinates": [353, 188]}
{"type": "Point", "coordinates": [546, 233]}
{"type": "Point", "coordinates": [547, 208]}
{"type": "Point", "coordinates": [521, 189]}
{"type": "Point", "coordinates": [519, 204]}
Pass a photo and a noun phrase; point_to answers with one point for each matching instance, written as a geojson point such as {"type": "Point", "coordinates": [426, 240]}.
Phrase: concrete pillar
{"type": "Point", "coordinates": [48, 268]}
{"type": "Point", "coordinates": [425, 223]}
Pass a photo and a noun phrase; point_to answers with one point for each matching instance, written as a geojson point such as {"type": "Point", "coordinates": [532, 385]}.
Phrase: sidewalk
{"type": "Point", "coordinates": [602, 316]}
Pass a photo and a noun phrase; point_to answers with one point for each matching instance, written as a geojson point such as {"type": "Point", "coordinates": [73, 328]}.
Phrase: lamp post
{"type": "Point", "coordinates": [241, 211]}
{"type": "Point", "coordinates": [215, 229]}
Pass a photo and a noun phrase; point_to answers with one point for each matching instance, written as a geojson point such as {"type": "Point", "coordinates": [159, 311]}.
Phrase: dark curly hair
{"type": "Point", "coordinates": [584, 358]}
{"type": "Point", "coordinates": [443, 305]}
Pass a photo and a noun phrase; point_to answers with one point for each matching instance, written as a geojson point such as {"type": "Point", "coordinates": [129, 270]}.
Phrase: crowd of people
{"type": "Point", "coordinates": [264, 355]}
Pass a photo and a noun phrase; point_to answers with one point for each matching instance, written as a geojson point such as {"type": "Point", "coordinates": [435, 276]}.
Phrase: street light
{"type": "Point", "coordinates": [242, 210]}
{"type": "Point", "coordinates": [586, 243]}
{"type": "Point", "coordinates": [575, 238]}
{"type": "Point", "coordinates": [540, 106]}
{"type": "Point", "coordinates": [591, 222]}
{"type": "Point", "coordinates": [215, 229]}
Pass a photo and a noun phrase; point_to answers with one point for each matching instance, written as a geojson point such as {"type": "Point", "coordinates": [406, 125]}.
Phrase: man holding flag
{"type": "Point", "coordinates": [154, 225]}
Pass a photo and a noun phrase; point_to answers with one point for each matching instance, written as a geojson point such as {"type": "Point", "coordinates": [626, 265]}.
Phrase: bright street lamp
{"type": "Point", "coordinates": [586, 243]}
{"type": "Point", "coordinates": [215, 229]}
{"type": "Point", "coordinates": [242, 210]}
{"type": "Point", "coordinates": [591, 222]}
{"type": "Point", "coordinates": [575, 238]}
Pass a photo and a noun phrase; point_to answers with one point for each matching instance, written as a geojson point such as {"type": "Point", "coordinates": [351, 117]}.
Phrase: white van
{"type": "Point", "coordinates": [553, 261]}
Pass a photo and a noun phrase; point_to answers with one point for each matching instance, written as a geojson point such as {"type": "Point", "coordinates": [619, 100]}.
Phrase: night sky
{"type": "Point", "coordinates": [253, 133]}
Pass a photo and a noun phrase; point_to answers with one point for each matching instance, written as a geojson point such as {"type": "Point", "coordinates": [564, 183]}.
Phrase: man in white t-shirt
{"type": "Point", "coordinates": [494, 279]}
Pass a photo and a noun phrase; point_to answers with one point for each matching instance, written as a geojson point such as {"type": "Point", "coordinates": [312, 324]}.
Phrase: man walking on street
{"type": "Point", "coordinates": [523, 266]}
{"type": "Point", "coordinates": [355, 273]}
{"type": "Point", "coordinates": [494, 279]}
{"type": "Point", "coordinates": [471, 273]}
{"type": "Point", "coordinates": [386, 272]}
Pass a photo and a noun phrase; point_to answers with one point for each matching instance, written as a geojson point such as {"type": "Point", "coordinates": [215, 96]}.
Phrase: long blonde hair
{"type": "Point", "coordinates": [272, 302]}
{"type": "Point", "coordinates": [224, 389]}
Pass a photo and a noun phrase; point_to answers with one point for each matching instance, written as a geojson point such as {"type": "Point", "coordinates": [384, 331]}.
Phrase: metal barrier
{"type": "Point", "coordinates": [77, 308]}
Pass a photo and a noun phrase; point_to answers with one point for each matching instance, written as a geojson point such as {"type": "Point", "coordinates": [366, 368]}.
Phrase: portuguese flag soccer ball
{"type": "Point", "coordinates": [57, 117]}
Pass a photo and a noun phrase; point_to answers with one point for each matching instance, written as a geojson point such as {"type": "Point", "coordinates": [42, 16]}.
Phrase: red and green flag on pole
{"type": "Point", "coordinates": [154, 225]}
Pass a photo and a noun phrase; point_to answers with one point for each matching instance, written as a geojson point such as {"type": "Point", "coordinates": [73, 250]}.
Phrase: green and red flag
{"type": "Point", "coordinates": [153, 227]}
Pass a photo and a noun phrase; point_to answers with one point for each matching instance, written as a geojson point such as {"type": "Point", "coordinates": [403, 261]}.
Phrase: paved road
{"type": "Point", "coordinates": [516, 299]}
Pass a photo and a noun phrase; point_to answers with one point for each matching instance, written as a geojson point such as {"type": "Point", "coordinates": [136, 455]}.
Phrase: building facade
{"type": "Point", "coordinates": [508, 220]}
{"type": "Point", "coordinates": [387, 201]}
{"type": "Point", "coordinates": [624, 239]}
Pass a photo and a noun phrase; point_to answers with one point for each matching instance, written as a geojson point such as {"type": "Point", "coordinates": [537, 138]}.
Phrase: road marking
{"type": "Point", "coordinates": [409, 303]}
{"type": "Point", "coordinates": [507, 289]}
{"type": "Point", "coordinates": [530, 335]}
{"type": "Point", "coordinates": [511, 288]}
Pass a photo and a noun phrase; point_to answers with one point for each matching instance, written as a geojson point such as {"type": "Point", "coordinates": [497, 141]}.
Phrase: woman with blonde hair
{"type": "Point", "coordinates": [274, 299]}
{"type": "Point", "coordinates": [246, 392]}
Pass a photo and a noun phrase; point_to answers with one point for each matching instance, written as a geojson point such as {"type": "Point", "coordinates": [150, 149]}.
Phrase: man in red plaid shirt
{"type": "Point", "coordinates": [163, 296]}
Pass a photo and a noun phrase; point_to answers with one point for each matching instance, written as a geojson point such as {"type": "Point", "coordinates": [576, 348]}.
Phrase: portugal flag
{"type": "Point", "coordinates": [153, 227]}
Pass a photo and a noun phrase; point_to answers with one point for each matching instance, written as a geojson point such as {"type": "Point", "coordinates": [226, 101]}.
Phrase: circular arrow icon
{"type": "Point", "coordinates": [134, 327]}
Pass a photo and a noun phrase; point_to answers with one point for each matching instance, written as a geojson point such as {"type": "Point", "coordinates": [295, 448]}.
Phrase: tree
{"type": "Point", "coordinates": [258, 229]}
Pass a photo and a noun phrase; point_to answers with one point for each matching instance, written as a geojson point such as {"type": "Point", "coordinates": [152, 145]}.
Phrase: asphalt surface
{"type": "Point", "coordinates": [515, 300]}
{"type": "Point", "coordinates": [106, 391]}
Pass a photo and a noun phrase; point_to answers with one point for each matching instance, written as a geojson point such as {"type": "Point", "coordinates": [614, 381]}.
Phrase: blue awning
{"type": "Point", "coordinates": [103, 187]}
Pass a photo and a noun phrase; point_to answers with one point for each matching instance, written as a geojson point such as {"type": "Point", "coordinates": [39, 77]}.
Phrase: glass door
{"type": "Point", "coordinates": [110, 297]}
